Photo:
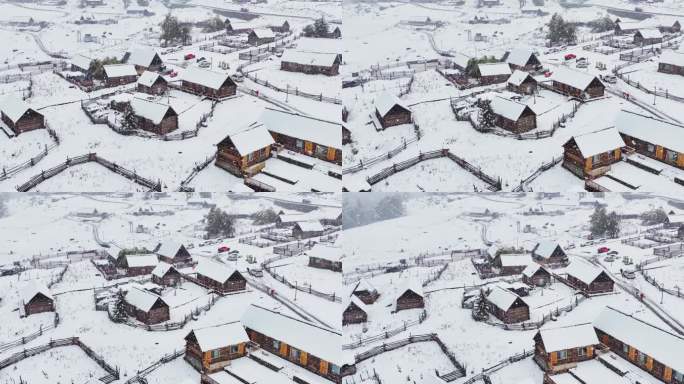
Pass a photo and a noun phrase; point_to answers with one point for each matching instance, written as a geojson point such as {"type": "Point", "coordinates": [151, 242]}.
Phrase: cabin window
{"type": "Point", "coordinates": [650, 148]}
{"type": "Point", "coordinates": [562, 355]}
{"type": "Point", "coordinates": [671, 156]}
{"type": "Point", "coordinates": [321, 151]}
{"type": "Point", "coordinates": [334, 369]}
{"type": "Point", "coordinates": [250, 157]}
{"type": "Point", "coordinates": [276, 345]}
{"type": "Point", "coordinates": [642, 358]}
{"type": "Point", "coordinates": [678, 376]}
{"type": "Point", "coordinates": [294, 354]}
{"type": "Point", "coordinates": [596, 159]}
{"type": "Point", "coordinates": [299, 143]}
{"type": "Point", "coordinates": [625, 348]}
{"type": "Point", "coordinates": [215, 354]}
{"type": "Point", "coordinates": [581, 352]}
{"type": "Point", "coordinates": [234, 349]}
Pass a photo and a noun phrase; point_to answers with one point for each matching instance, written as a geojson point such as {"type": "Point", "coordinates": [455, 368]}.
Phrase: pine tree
{"type": "Point", "coordinates": [321, 27]}
{"type": "Point", "coordinates": [119, 312]}
{"type": "Point", "coordinates": [486, 118]}
{"type": "Point", "coordinates": [598, 221]}
{"type": "Point", "coordinates": [480, 310]}
{"type": "Point", "coordinates": [613, 225]}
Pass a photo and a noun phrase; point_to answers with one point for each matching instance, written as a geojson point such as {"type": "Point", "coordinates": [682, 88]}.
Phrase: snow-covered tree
{"type": "Point", "coordinates": [119, 309]}
{"type": "Point", "coordinates": [486, 118]}
{"type": "Point", "coordinates": [481, 308]}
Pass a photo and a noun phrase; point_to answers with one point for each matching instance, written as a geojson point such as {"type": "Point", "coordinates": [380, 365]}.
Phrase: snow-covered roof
{"type": "Point", "coordinates": [120, 70]}
{"type": "Point", "coordinates": [508, 108]}
{"type": "Point", "coordinates": [650, 33]}
{"type": "Point", "coordinates": [583, 271]}
{"type": "Point", "coordinates": [294, 217]}
{"type": "Point", "coordinates": [14, 108]}
{"type": "Point", "coordinates": [310, 58]}
{"type": "Point", "coordinates": [460, 59]}
{"type": "Point", "coordinates": [364, 285]}
{"type": "Point", "coordinates": [519, 57]}
{"type": "Point", "coordinates": [310, 226]}
{"type": "Point", "coordinates": [502, 298]}
{"type": "Point", "coordinates": [412, 285]}
{"type": "Point", "coordinates": [661, 345]}
{"type": "Point", "coordinates": [142, 299]}
{"type": "Point", "coordinates": [141, 57]}
{"type": "Point", "coordinates": [251, 139]}
{"type": "Point", "coordinates": [223, 377]}
{"type": "Point", "coordinates": [161, 269]}
{"type": "Point", "coordinates": [168, 248]}
{"type": "Point", "coordinates": [263, 33]}
{"type": "Point", "coordinates": [148, 78]}
{"type": "Point", "coordinates": [152, 111]}
{"type": "Point", "coordinates": [651, 129]}
{"type": "Point", "coordinates": [355, 183]}
{"type": "Point", "coordinates": [515, 259]}
{"type": "Point", "coordinates": [216, 271]}
{"type": "Point", "coordinates": [303, 127]}
{"type": "Point", "coordinates": [672, 58]}
{"type": "Point", "coordinates": [32, 289]}
{"type": "Point", "coordinates": [324, 251]}
{"type": "Point", "coordinates": [81, 61]}
{"type": "Point", "coordinates": [356, 301]}
{"type": "Point", "coordinates": [220, 336]}
{"type": "Point", "coordinates": [594, 143]}
{"type": "Point", "coordinates": [575, 79]}
{"type": "Point", "coordinates": [518, 77]}
{"type": "Point", "coordinates": [209, 79]}
{"type": "Point", "coordinates": [141, 260]}
{"type": "Point", "coordinates": [545, 248]}
{"type": "Point", "coordinates": [531, 269]}
{"type": "Point", "coordinates": [494, 69]}
{"type": "Point", "coordinates": [574, 336]}
{"type": "Point", "coordinates": [386, 101]}
{"type": "Point", "coordinates": [311, 338]}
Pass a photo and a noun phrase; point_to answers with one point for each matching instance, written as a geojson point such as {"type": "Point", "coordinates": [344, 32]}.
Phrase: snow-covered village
{"type": "Point", "coordinates": [513, 95]}
{"type": "Point", "coordinates": [172, 95]}
{"type": "Point", "coordinates": [170, 288]}
{"type": "Point", "coordinates": [533, 288]}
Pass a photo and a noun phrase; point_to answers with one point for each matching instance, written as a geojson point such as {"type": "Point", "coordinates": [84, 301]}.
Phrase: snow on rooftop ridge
{"type": "Point", "coordinates": [386, 101]}
{"type": "Point", "coordinates": [141, 57]}
{"type": "Point", "coordinates": [594, 143]}
{"type": "Point", "coordinates": [148, 78]}
{"type": "Point", "coordinates": [14, 108]}
{"type": "Point", "coordinates": [651, 129]}
{"type": "Point", "coordinates": [220, 336]}
{"type": "Point", "coordinates": [321, 59]}
{"type": "Point", "coordinates": [81, 61]}
{"type": "Point", "coordinates": [209, 79]}
{"type": "Point", "coordinates": [33, 288]}
{"type": "Point", "coordinates": [216, 271]}
{"type": "Point", "coordinates": [517, 77]}
{"type": "Point", "coordinates": [575, 79]}
{"type": "Point", "coordinates": [494, 69]}
{"type": "Point", "coordinates": [325, 251]}
{"type": "Point", "coordinates": [519, 56]}
{"type": "Point", "coordinates": [152, 111]}
{"type": "Point", "coordinates": [502, 298]}
{"type": "Point", "coordinates": [545, 248]}
{"type": "Point", "coordinates": [161, 269]}
{"type": "Point", "coordinates": [142, 299]}
{"type": "Point", "coordinates": [251, 139]}
{"type": "Point", "coordinates": [673, 58]}
{"type": "Point", "coordinates": [508, 108]}
{"type": "Point", "coordinates": [120, 70]}
{"type": "Point", "coordinates": [168, 248]}
{"type": "Point", "coordinates": [531, 269]}
{"type": "Point", "coordinates": [583, 271]}
{"type": "Point", "coordinates": [304, 127]}
{"type": "Point", "coordinates": [573, 336]}
{"type": "Point", "coordinates": [147, 260]}
{"type": "Point", "coordinates": [310, 225]}
{"type": "Point", "coordinates": [650, 33]}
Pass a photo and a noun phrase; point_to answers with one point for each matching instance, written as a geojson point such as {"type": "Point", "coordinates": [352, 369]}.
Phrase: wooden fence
{"type": "Point", "coordinates": [542, 168]}
{"type": "Point", "coordinates": [364, 163]}
{"type": "Point", "coordinates": [387, 334]}
{"type": "Point", "coordinates": [503, 363]}
{"type": "Point", "coordinates": [195, 171]}
{"type": "Point", "coordinates": [31, 336]}
{"type": "Point", "coordinates": [666, 93]}
{"type": "Point", "coordinates": [529, 325]}
{"type": "Point", "coordinates": [90, 157]}
{"type": "Point", "coordinates": [306, 289]}
{"type": "Point", "coordinates": [294, 92]}
{"type": "Point", "coordinates": [6, 173]}
{"type": "Point", "coordinates": [139, 377]}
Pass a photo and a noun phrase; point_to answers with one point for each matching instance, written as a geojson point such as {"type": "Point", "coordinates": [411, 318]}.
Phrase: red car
{"type": "Point", "coordinates": [223, 248]}
{"type": "Point", "coordinates": [548, 74]}
{"type": "Point", "coordinates": [173, 74]}
{"type": "Point", "coordinates": [603, 250]}
{"type": "Point", "coordinates": [189, 56]}
{"type": "Point", "coordinates": [570, 56]}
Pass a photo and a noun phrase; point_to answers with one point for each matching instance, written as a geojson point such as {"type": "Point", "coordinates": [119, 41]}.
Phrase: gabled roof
{"type": "Point", "coordinates": [323, 251]}
{"type": "Point", "coordinates": [411, 285]}
{"type": "Point", "coordinates": [303, 127]}
{"type": "Point", "coordinates": [310, 58]}
{"type": "Point", "coordinates": [545, 248]}
{"type": "Point", "coordinates": [575, 79]}
{"type": "Point", "coordinates": [502, 298]}
{"type": "Point", "coordinates": [120, 70]}
{"type": "Point", "coordinates": [142, 299]}
{"type": "Point", "coordinates": [494, 69]}
{"type": "Point", "coordinates": [583, 271]}
{"type": "Point", "coordinates": [519, 57]}
{"type": "Point", "coordinates": [386, 101]}
{"type": "Point", "coordinates": [216, 271]}
{"type": "Point", "coordinates": [672, 58]}
{"type": "Point", "coordinates": [168, 248]}
{"type": "Point", "coordinates": [151, 111]}
{"type": "Point", "coordinates": [310, 226]}
{"type": "Point", "coordinates": [508, 108]}
{"type": "Point", "coordinates": [594, 143]}
{"type": "Point", "coordinates": [356, 301]}
{"type": "Point", "coordinates": [574, 336]}
{"type": "Point", "coordinates": [14, 108]}
{"type": "Point", "coordinates": [661, 345]}
{"type": "Point", "coordinates": [515, 259]}
{"type": "Point", "coordinates": [162, 269]}
{"type": "Point", "coordinates": [251, 139]}
{"type": "Point", "coordinates": [209, 79]}
{"type": "Point", "coordinates": [460, 59]}
{"type": "Point", "coordinates": [148, 78]}
{"type": "Point", "coordinates": [141, 57]}
{"type": "Point", "coordinates": [81, 61]}
{"type": "Point", "coordinates": [364, 285]}
{"type": "Point", "coordinates": [220, 336]}
{"type": "Point", "coordinates": [141, 260]}
{"type": "Point", "coordinates": [518, 77]}
{"type": "Point", "coordinates": [650, 33]}
{"type": "Point", "coordinates": [30, 291]}
{"type": "Point", "coordinates": [303, 335]}
{"type": "Point", "coordinates": [263, 33]}
{"type": "Point", "coordinates": [651, 129]}
{"type": "Point", "coordinates": [531, 269]}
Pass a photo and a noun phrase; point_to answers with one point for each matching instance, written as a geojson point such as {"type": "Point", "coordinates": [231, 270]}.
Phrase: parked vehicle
{"type": "Point", "coordinates": [603, 250]}
{"type": "Point", "coordinates": [628, 273]}
{"type": "Point", "coordinates": [612, 253]}
{"type": "Point", "coordinates": [223, 248]}
{"type": "Point", "coordinates": [256, 272]}
{"type": "Point", "coordinates": [238, 77]}
{"type": "Point", "coordinates": [569, 56]}
{"type": "Point", "coordinates": [189, 56]}
{"type": "Point", "coordinates": [610, 79]}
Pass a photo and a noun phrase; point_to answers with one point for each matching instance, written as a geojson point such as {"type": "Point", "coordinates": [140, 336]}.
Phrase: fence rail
{"type": "Point", "coordinates": [294, 92]}
{"type": "Point", "coordinates": [387, 334]}
{"type": "Point", "coordinates": [376, 159]}
{"type": "Point", "coordinates": [542, 168]}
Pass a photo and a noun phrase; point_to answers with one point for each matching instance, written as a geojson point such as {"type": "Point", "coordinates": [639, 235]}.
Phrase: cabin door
{"type": "Point", "coordinates": [331, 154]}
{"type": "Point", "coordinates": [308, 147]}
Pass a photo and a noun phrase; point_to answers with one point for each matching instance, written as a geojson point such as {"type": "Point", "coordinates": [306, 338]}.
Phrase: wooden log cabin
{"type": "Point", "coordinates": [627, 27]}
{"type": "Point", "coordinates": [144, 60]}
{"type": "Point", "coordinates": [303, 343]}
{"type": "Point", "coordinates": [647, 37]}
{"type": "Point", "coordinates": [307, 229]}
{"type": "Point", "coordinates": [653, 349]}
{"type": "Point", "coordinates": [390, 111]}
{"type": "Point", "coordinates": [522, 59]}
{"type": "Point", "coordinates": [244, 153]}
{"type": "Point", "coordinates": [165, 274]}
{"type": "Point", "coordinates": [521, 82]}
{"type": "Point", "coordinates": [137, 265]}
{"type": "Point", "coordinates": [325, 257]}
{"type": "Point", "coordinates": [511, 263]}
{"type": "Point", "coordinates": [366, 292]}
{"type": "Point", "coordinates": [410, 296]}
{"type": "Point", "coordinates": [210, 84]}
{"type": "Point", "coordinates": [493, 73]}
{"type": "Point", "coordinates": [307, 135]}
{"type": "Point", "coordinates": [153, 117]}
{"type": "Point", "coordinates": [577, 84]}
{"type": "Point", "coordinates": [591, 154]}
{"type": "Point", "coordinates": [513, 116]}
{"type": "Point", "coordinates": [260, 36]}
{"type": "Point", "coordinates": [173, 252]}
{"type": "Point", "coordinates": [671, 62]}
{"type": "Point", "coordinates": [560, 349]}
{"type": "Point", "coordinates": [119, 74]}
{"type": "Point", "coordinates": [652, 137]}
{"type": "Point", "coordinates": [36, 298]}
{"type": "Point", "coordinates": [547, 252]}
{"type": "Point", "coordinates": [507, 306]}
{"type": "Point", "coordinates": [220, 277]}
{"type": "Point", "coordinates": [80, 63]}
{"type": "Point", "coordinates": [282, 28]}
{"type": "Point", "coordinates": [211, 349]}
{"type": "Point", "coordinates": [146, 307]}
{"type": "Point", "coordinates": [19, 116]}
{"type": "Point", "coordinates": [152, 83]}
{"type": "Point", "coordinates": [311, 63]}
{"type": "Point", "coordinates": [588, 278]}
{"type": "Point", "coordinates": [536, 275]}
{"type": "Point", "coordinates": [354, 311]}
